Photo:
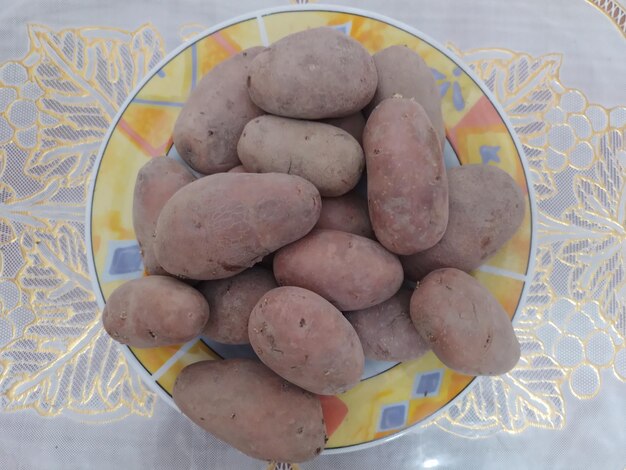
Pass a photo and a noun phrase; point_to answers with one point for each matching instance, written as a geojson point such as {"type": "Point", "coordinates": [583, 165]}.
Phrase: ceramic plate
{"type": "Point", "coordinates": [391, 397]}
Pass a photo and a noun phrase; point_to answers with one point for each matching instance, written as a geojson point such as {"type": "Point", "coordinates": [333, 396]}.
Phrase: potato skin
{"type": "Point", "coordinates": [246, 405]}
{"type": "Point", "coordinates": [352, 124]}
{"type": "Point", "coordinates": [402, 71]}
{"type": "Point", "coordinates": [307, 341]}
{"type": "Point", "coordinates": [231, 301]}
{"type": "Point", "coordinates": [325, 155]}
{"type": "Point", "coordinates": [407, 187]}
{"type": "Point", "coordinates": [347, 213]}
{"type": "Point", "coordinates": [350, 271]}
{"type": "Point", "coordinates": [156, 182]}
{"type": "Point", "coordinates": [464, 324]}
{"type": "Point", "coordinates": [386, 330]}
{"type": "Point", "coordinates": [313, 74]}
{"type": "Point", "coordinates": [486, 209]}
{"type": "Point", "coordinates": [222, 224]}
{"type": "Point", "coordinates": [154, 311]}
{"type": "Point", "coordinates": [209, 125]}
{"type": "Point", "coordinates": [238, 169]}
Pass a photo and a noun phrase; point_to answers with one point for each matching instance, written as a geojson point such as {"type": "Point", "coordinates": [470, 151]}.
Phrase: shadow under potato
{"type": "Point", "coordinates": [229, 351]}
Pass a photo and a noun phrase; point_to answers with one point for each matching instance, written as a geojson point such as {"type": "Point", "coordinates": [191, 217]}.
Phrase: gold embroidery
{"type": "Point", "coordinates": [613, 10]}
{"type": "Point", "coordinates": [59, 101]}
{"type": "Point", "coordinates": [282, 466]}
{"type": "Point", "coordinates": [573, 326]}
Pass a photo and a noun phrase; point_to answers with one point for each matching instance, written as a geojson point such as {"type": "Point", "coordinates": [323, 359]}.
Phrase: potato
{"type": "Point", "coordinates": [209, 125]}
{"type": "Point", "coordinates": [401, 71]}
{"type": "Point", "coordinates": [350, 271]}
{"type": "Point", "coordinates": [231, 301]}
{"type": "Point", "coordinates": [407, 187]}
{"type": "Point", "coordinates": [246, 405]}
{"type": "Point", "coordinates": [386, 330]}
{"type": "Point", "coordinates": [486, 209]}
{"type": "Point", "coordinates": [352, 124]}
{"type": "Point", "coordinates": [154, 311]}
{"type": "Point", "coordinates": [347, 213]}
{"type": "Point", "coordinates": [222, 224]}
{"type": "Point", "coordinates": [304, 339]}
{"type": "Point", "coordinates": [313, 74]}
{"type": "Point", "coordinates": [157, 181]}
{"type": "Point", "coordinates": [325, 155]}
{"type": "Point", "coordinates": [464, 324]}
{"type": "Point", "coordinates": [238, 169]}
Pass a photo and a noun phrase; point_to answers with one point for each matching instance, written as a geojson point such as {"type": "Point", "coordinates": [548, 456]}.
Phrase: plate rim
{"type": "Point", "coordinates": [258, 14]}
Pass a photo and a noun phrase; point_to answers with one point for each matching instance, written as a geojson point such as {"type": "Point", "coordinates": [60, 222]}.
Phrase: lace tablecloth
{"type": "Point", "coordinates": [70, 400]}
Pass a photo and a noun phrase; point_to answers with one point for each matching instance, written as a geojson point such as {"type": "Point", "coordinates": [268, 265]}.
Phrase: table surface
{"type": "Point", "coordinates": [70, 401]}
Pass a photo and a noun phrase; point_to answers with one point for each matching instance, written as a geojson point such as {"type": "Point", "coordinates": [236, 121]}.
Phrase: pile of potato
{"type": "Point", "coordinates": [284, 135]}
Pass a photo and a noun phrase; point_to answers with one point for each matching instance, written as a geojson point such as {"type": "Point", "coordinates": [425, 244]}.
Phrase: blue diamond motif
{"type": "Point", "coordinates": [123, 261]}
{"type": "Point", "coordinates": [344, 28]}
{"type": "Point", "coordinates": [427, 384]}
{"type": "Point", "coordinates": [393, 416]}
{"type": "Point", "coordinates": [489, 153]}
{"type": "Point", "coordinates": [126, 260]}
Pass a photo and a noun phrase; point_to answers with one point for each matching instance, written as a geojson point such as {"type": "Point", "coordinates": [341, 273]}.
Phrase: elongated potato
{"type": "Point", "coordinates": [210, 123]}
{"type": "Point", "coordinates": [486, 208]}
{"type": "Point", "coordinates": [464, 324]}
{"type": "Point", "coordinates": [402, 71]}
{"type": "Point", "coordinates": [386, 330]}
{"type": "Point", "coordinates": [154, 311]}
{"type": "Point", "coordinates": [156, 183]}
{"type": "Point", "coordinates": [246, 405]}
{"type": "Point", "coordinates": [350, 271]}
{"type": "Point", "coordinates": [325, 155]}
{"type": "Point", "coordinates": [231, 301]}
{"type": "Point", "coordinates": [304, 339]}
{"type": "Point", "coordinates": [222, 224]}
{"type": "Point", "coordinates": [347, 213]}
{"type": "Point", "coordinates": [407, 186]}
{"type": "Point", "coordinates": [313, 74]}
{"type": "Point", "coordinates": [352, 124]}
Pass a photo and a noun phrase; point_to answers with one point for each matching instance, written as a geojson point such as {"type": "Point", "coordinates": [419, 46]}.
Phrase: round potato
{"type": "Point", "coordinates": [209, 125]}
{"type": "Point", "coordinates": [222, 224]}
{"type": "Point", "coordinates": [156, 183]}
{"type": "Point", "coordinates": [347, 213]}
{"type": "Point", "coordinates": [154, 311]}
{"type": "Point", "coordinates": [407, 187]}
{"type": "Point", "coordinates": [304, 339]}
{"type": "Point", "coordinates": [231, 301]}
{"type": "Point", "coordinates": [386, 330]}
{"type": "Point", "coordinates": [313, 74]}
{"type": "Point", "coordinates": [350, 271]}
{"type": "Point", "coordinates": [402, 72]}
{"type": "Point", "coordinates": [325, 155]}
{"type": "Point", "coordinates": [486, 209]}
{"type": "Point", "coordinates": [352, 124]}
{"type": "Point", "coordinates": [246, 405]}
{"type": "Point", "coordinates": [464, 324]}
